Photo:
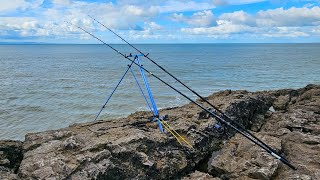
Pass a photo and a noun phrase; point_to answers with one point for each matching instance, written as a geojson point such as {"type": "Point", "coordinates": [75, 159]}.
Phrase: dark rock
{"type": "Point", "coordinates": [10, 158]}
{"type": "Point", "coordinates": [10, 154]}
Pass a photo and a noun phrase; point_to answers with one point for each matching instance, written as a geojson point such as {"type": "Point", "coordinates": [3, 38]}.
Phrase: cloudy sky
{"type": "Point", "coordinates": [160, 21]}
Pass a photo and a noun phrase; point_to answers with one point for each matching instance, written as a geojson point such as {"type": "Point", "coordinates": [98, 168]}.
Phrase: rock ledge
{"type": "Point", "coordinates": [133, 148]}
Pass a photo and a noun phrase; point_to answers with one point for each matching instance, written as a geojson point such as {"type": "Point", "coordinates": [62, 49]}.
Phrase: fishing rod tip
{"type": "Point", "coordinates": [290, 165]}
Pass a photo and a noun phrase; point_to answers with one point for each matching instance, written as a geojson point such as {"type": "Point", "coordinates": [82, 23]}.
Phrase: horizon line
{"type": "Point", "coordinates": [43, 43]}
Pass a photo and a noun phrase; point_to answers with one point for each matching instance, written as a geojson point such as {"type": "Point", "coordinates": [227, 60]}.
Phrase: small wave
{"type": "Point", "coordinates": [67, 87]}
{"type": "Point", "coordinates": [12, 98]}
{"type": "Point", "coordinates": [31, 108]}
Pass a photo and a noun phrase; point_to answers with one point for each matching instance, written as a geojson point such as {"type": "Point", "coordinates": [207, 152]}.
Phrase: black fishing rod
{"type": "Point", "coordinates": [114, 90]}
{"type": "Point", "coordinates": [220, 119]}
{"type": "Point", "coordinates": [191, 90]}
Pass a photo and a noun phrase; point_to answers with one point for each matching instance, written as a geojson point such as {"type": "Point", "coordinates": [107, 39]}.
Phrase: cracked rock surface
{"type": "Point", "coordinates": [291, 129]}
{"type": "Point", "coordinates": [133, 147]}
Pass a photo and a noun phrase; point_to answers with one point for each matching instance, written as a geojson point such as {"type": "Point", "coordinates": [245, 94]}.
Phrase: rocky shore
{"type": "Point", "coordinates": [133, 148]}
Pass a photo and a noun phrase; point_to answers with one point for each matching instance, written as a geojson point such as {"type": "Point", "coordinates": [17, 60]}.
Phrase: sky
{"type": "Point", "coordinates": [160, 21]}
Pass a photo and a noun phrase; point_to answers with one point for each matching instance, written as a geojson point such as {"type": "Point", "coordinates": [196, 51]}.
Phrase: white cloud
{"type": "Point", "coordinates": [178, 17]}
{"type": "Point", "coordinates": [33, 28]}
{"type": "Point", "coordinates": [234, 2]}
{"type": "Point", "coordinates": [285, 32]}
{"type": "Point", "coordinates": [36, 3]}
{"type": "Point", "coordinates": [50, 22]}
{"type": "Point", "coordinates": [227, 30]}
{"type": "Point", "coordinates": [316, 30]}
{"type": "Point", "coordinates": [293, 22]}
{"type": "Point", "coordinates": [198, 19]}
{"type": "Point", "coordinates": [169, 5]}
{"type": "Point", "coordinates": [202, 19]}
{"type": "Point", "coordinates": [141, 18]}
{"type": "Point", "coordinates": [12, 5]}
{"type": "Point", "coordinates": [138, 11]}
{"type": "Point", "coordinates": [276, 17]}
{"type": "Point", "coordinates": [238, 17]}
{"type": "Point", "coordinates": [291, 17]}
{"type": "Point", "coordinates": [61, 2]}
{"type": "Point", "coordinates": [309, 5]}
{"type": "Point", "coordinates": [239, 2]}
{"type": "Point", "coordinates": [181, 6]}
{"type": "Point", "coordinates": [222, 28]}
{"type": "Point", "coordinates": [124, 17]}
{"type": "Point", "coordinates": [154, 26]}
{"type": "Point", "coordinates": [145, 34]}
{"type": "Point", "coordinates": [150, 31]}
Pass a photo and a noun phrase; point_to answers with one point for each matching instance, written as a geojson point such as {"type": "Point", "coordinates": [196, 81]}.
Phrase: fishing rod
{"type": "Point", "coordinates": [191, 90]}
{"type": "Point", "coordinates": [220, 119]}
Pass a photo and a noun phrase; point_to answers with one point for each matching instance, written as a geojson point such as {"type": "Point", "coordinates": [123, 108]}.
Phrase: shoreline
{"type": "Point", "coordinates": [133, 147]}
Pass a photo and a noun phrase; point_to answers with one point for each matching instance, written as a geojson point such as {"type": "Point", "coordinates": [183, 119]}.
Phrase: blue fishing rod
{"type": "Point", "coordinates": [220, 118]}
{"type": "Point", "coordinates": [154, 106]}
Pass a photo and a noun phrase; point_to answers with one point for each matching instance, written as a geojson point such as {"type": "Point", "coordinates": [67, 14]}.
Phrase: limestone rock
{"type": "Point", "coordinates": [241, 158]}
{"type": "Point", "coordinates": [133, 148]}
{"type": "Point", "coordinates": [282, 102]}
{"type": "Point", "coordinates": [199, 176]}
{"type": "Point", "coordinates": [295, 129]}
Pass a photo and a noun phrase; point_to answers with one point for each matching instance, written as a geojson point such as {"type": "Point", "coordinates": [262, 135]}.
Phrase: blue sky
{"type": "Point", "coordinates": [155, 21]}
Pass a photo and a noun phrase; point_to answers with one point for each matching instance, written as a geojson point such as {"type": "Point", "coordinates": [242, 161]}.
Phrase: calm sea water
{"type": "Point", "coordinates": [52, 86]}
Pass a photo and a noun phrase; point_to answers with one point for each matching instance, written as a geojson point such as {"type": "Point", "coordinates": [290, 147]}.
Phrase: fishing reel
{"type": "Point", "coordinates": [155, 118]}
{"type": "Point", "coordinates": [158, 120]}
{"type": "Point", "coordinates": [219, 129]}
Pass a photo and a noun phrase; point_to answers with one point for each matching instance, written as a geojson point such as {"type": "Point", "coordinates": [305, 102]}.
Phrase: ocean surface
{"type": "Point", "coordinates": [47, 87]}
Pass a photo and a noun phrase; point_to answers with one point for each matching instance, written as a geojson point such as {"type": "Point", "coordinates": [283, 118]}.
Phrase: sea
{"type": "Point", "coordinates": [45, 87]}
